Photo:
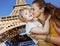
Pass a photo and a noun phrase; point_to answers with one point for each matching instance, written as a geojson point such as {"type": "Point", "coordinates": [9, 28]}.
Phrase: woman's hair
{"type": "Point", "coordinates": [50, 9]}
{"type": "Point", "coordinates": [41, 3]}
{"type": "Point", "coordinates": [56, 17]}
{"type": "Point", "coordinates": [55, 12]}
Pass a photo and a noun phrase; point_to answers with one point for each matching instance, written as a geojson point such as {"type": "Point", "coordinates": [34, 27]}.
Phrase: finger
{"type": "Point", "coordinates": [49, 16]}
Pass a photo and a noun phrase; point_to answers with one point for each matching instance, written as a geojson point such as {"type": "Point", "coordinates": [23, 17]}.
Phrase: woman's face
{"type": "Point", "coordinates": [35, 10]}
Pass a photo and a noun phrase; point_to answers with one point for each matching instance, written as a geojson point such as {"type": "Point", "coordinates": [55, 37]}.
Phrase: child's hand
{"type": "Point", "coordinates": [48, 18]}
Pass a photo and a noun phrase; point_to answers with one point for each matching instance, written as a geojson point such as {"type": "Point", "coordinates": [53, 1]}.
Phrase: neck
{"type": "Point", "coordinates": [41, 18]}
{"type": "Point", "coordinates": [42, 14]}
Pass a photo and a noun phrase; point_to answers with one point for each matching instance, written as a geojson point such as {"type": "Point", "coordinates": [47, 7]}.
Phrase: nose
{"type": "Point", "coordinates": [31, 14]}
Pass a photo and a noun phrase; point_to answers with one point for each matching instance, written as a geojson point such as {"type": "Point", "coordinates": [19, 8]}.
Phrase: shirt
{"type": "Point", "coordinates": [30, 25]}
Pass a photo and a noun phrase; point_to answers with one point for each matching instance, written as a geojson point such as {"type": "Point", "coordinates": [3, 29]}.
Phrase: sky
{"type": "Point", "coordinates": [6, 6]}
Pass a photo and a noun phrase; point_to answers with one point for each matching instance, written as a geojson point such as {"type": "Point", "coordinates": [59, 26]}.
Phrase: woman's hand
{"type": "Point", "coordinates": [35, 36]}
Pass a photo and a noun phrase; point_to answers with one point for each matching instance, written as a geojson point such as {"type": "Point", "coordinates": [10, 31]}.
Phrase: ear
{"type": "Point", "coordinates": [42, 9]}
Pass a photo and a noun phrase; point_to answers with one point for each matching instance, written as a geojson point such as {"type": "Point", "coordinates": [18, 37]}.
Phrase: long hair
{"type": "Point", "coordinates": [50, 9]}
{"type": "Point", "coordinates": [56, 17]}
{"type": "Point", "coordinates": [55, 12]}
{"type": "Point", "coordinates": [41, 3]}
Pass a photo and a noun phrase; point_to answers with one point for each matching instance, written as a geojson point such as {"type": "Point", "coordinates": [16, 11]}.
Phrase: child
{"type": "Point", "coordinates": [31, 22]}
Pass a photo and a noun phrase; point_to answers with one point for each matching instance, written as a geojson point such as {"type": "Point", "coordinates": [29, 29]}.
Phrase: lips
{"type": "Point", "coordinates": [30, 15]}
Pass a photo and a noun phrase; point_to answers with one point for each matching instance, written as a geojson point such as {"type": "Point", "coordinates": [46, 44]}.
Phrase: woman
{"type": "Point", "coordinates": [54, 31]}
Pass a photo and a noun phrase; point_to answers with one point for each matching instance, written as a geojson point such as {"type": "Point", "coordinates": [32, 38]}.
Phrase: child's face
{"type": "Point", "coordinates": [26, 13]}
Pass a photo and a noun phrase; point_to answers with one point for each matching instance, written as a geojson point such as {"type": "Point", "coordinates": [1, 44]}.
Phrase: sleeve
{"type": "Point", "coordinates": [29, 27]}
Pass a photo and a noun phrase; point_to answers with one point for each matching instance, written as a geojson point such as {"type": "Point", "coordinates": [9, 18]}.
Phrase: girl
{"type": "Point", "coordinates": [26, 15]}
{"type": "Point", "coordinates": [40, 5]}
